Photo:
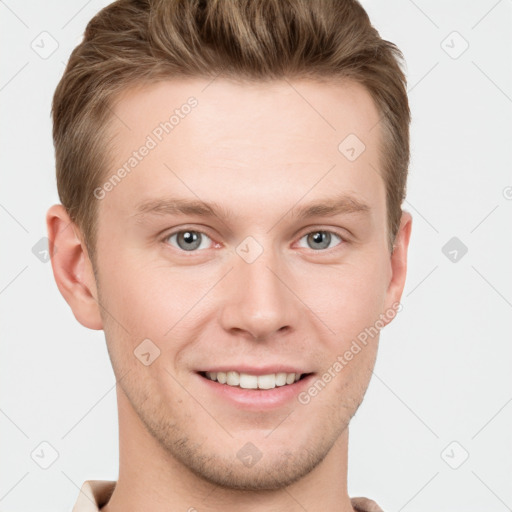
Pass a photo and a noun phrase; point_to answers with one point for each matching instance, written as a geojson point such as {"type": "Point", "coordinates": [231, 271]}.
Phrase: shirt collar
{"type": "Point", "coordinates": [94, 494]}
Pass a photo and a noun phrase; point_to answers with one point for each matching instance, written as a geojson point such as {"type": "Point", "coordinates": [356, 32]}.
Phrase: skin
{"type": "Point", "coordinates": [262, 151]}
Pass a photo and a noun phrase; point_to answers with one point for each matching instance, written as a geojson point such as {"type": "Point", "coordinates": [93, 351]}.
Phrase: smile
{"type": "Point", "coordinates": [248, 381]}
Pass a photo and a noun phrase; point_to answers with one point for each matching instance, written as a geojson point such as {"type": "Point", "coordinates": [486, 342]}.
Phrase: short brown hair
{"type": "Point", "coordinates": [133, 42]}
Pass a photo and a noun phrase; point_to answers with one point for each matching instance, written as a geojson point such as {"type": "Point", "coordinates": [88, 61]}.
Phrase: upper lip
{"type": "Point", "coordinates": [255, 370]}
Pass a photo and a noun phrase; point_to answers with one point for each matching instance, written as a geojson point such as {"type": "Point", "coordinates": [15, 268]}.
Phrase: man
{"type": "Point", "coordinates": [231, 176]}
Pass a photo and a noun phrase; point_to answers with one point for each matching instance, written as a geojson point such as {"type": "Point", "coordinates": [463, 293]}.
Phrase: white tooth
{"type": "Point", "coordinates": [267, 381]}
{"type": "Point", "coordinates": [233, 378]}
{"type": "Point", "coordinates": [280, 379]}
{"type": "Point", "coordinates": [207, 374]}
{"type": "Point", "coordinates": [248, 381]}
{"type": "Point", "coordinates": [290, 378]}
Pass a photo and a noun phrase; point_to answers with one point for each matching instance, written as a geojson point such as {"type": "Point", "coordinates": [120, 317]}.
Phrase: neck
{"type": "Point", "coordinates": [151, 479]}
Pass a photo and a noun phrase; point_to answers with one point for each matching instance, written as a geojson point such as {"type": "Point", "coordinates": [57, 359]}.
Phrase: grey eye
{"type": "Point", "coordinates": [188, 240]}
{"type": "Point", "coordinates": [318, 240]}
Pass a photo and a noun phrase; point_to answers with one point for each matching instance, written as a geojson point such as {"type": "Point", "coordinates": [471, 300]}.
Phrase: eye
{"type": "Point", "coordinates": [188, 240]}
{"type": "Point", "coordinates": [318, 240]}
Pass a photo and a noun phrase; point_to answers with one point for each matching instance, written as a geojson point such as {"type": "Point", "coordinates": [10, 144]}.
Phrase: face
{"type": "Point", "coordinates": [250, 237]}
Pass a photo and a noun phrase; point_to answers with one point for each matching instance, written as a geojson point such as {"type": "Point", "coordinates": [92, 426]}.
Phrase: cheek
{"type": "Point", "coordinates": [348, 297]}
{"type": "Point", "coordinates": [157, 302]}
{"type": "Point", "coordinates": [148, 299]}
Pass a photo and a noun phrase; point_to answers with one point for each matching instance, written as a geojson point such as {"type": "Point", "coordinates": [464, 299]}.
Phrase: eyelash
{"type": "Point", "coordinates": [342, 238]}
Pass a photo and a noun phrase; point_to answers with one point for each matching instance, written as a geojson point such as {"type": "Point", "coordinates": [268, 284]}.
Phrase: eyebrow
{"type": "Point", "coordinates": [327, 207]}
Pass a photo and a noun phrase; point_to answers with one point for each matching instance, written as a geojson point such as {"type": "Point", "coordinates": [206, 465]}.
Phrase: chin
{"type": "Point", "coordinates": [277, 472]}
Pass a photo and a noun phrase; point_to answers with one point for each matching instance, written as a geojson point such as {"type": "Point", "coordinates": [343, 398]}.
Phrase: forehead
{"type": "Point", "coordinates": [210, 137]}
{"type": "Point", "coordinates": [304, 108]}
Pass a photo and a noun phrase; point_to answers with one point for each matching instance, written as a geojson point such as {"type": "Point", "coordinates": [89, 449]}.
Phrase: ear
{"type": "Point", "coordinates": [399, 263]}
{"type": "Point", "coordinates": [72, 267]}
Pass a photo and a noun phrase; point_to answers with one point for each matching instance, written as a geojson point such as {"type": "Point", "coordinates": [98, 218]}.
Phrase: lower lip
{"type": "Point", "coordinates": [258, 399]}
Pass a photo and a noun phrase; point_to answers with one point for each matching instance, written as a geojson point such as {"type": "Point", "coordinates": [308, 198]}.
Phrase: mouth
{"type": "Point", "coordinates": [254, 389]}
{"type": "Point", "coordinates": [244, 380]}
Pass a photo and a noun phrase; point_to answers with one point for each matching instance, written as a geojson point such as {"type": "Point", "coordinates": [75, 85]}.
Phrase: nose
{"type": "Point", "coordinates": [258, 300]}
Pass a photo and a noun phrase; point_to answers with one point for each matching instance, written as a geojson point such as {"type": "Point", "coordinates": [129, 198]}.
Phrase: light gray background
{"type": "Point", "coordinates": [444, 367]}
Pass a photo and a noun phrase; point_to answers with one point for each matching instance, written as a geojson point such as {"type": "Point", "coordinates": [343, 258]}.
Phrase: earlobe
{"type": "Point", "coordinates": [72, 268]}
{"type": "Point", "coordinates": [398, 262]}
